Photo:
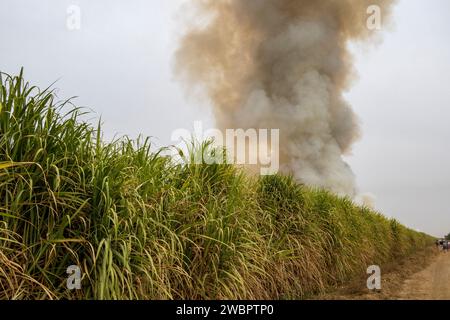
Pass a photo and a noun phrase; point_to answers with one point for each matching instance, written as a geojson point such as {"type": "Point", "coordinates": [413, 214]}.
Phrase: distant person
{"type": "Point", "coordinates": [445, 246]}
{"type": "Point", "coordinates": [438, 244]}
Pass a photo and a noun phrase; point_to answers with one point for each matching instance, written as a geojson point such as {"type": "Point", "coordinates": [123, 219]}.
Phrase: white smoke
{"type": "Point", "coordinates": [283, 64]}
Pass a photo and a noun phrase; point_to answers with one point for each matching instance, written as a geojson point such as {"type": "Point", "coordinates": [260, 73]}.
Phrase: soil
{"type": "Point", "coordinates": [422, 276]}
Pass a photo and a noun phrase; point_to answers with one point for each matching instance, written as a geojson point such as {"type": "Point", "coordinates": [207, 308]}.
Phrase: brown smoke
{"type": "Point", "coordinates": [283, 64]}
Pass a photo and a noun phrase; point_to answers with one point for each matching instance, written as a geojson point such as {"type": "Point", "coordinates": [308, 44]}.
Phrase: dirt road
{"type": "Point", "coordinates": [424, 275]}
{"type": "Point", "coordinates": [432, 283]}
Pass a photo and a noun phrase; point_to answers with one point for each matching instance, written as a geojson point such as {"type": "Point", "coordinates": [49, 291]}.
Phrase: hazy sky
{"type": "Point", "coordinates": [120, 65]}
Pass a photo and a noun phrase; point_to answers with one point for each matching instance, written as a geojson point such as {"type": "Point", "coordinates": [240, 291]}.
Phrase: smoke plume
{"type": "Point", "coordinates": [282, 64]}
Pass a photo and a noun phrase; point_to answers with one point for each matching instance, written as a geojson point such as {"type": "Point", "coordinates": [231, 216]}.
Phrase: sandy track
{"type": "Point", "coordinates": [423, 275]}
{"type": "Point", "coordinates": [432, 283]}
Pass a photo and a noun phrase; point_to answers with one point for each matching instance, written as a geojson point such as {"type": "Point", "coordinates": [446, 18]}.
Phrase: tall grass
{"type": "Point", "coordinates": [142, 226]}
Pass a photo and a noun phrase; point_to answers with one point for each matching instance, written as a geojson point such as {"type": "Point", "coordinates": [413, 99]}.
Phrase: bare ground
{"type": "Point", "coordinates": [432, 283]}
{"type": "Point", "coordinates": [423, 276]}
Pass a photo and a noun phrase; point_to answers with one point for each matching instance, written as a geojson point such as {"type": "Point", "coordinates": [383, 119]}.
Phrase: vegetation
{"type": "Point", "coordinates": [142, 226]}
{"type": "Point", "coordinates": [447, 237]}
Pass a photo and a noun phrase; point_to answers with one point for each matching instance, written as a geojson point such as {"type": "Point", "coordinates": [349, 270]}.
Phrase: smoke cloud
{"type": "Point", "coordinates": [366, 200]}
{"type": "Point", "coordinates": [282, 64]}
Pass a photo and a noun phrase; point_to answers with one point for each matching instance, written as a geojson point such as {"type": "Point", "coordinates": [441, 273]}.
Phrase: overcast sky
{"type": "Point", "coordinates": [119, 63]}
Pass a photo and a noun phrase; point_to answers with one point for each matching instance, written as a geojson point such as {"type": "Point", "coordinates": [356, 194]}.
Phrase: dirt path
{"type": "Point", "coordinates": [424, 275]}
{"type": "Point", "coordinates": [432, 283]}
